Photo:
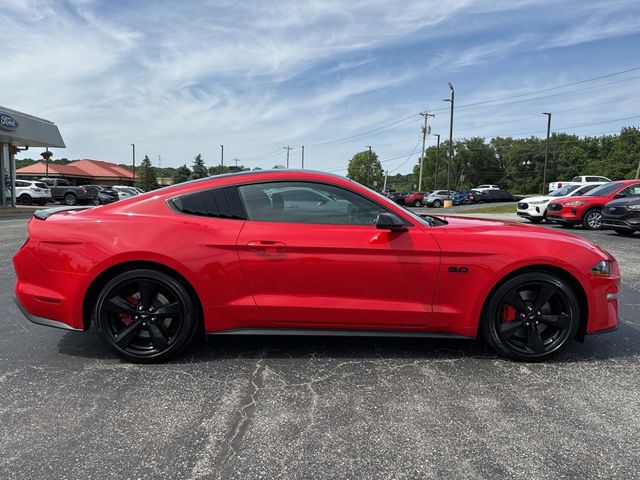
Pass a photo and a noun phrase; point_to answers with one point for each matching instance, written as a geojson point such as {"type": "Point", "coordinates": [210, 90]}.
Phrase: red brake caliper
{"type": "Point", "coordinates": [508, 313]}
{"type": "Point", "coordinates": [126, 318]}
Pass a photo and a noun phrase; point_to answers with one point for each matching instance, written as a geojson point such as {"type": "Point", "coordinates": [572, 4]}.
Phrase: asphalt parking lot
{"type": "Point", "coordinates": [318, 408]}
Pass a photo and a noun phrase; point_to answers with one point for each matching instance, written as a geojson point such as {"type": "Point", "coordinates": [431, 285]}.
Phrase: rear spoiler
{"type": "Point", "coordinates": [46, 213]}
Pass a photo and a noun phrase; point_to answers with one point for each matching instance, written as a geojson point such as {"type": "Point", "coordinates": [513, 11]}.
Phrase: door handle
{"type": "Point", "coordinates": [266, 246]}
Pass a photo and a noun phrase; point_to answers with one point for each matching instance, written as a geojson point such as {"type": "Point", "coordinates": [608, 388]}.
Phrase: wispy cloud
{"type": "Point", "coordinates": [177, 78]}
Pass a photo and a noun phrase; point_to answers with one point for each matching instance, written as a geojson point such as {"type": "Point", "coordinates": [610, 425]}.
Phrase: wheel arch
{"type": "Point", "coordinates": [563, 274]}
{"type": "Point", "coordinates": [96, 285]}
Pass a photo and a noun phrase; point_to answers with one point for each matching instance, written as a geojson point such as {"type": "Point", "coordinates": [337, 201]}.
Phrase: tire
{"type": "Point", "coordinates": [531, 317]}
{"type": "Point", "coordinates": [70, 199]}
{"type": "Point", "coordinates": [535, 219]}
{"type": "Point", "coordinates": [592, 220]}
{"type": "Point", "coordinates": [624, 232]}
{"type": "Point", "coordinates": [96, 201]}
{"type": "Point", "coordinates": [437, 204]}
{"type": "Point", "coordinates": [25, 199]}
{"type": "Point", "coordinates": [145, 316]}
{"type": "Point", "coordinates": [417, 203]}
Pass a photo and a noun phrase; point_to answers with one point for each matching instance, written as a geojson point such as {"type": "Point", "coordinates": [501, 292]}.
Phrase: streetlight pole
{"type": "Point", "coordinates": [133, 157]}
{"type": "Point", "coordinates": [302, 157]}
{"type": "Point", "coordinates": [525, 164]}
{"type": "Point", "coordinates": [426, 116]}
{"type": "Point", "coordinates": [546, 152]}
{"type": "Point", "coordinates": [435, 177]}
{"type": "Point", "coordinates": [221, 157]}
{"type": "Point", "coordinates": [369, 167]}
{"type": "Point", "coordinates": [288, 149]}
{"type": "Point", "coordinates": [452, 100]}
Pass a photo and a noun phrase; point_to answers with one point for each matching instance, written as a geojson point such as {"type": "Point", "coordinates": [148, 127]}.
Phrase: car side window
{"type": "Point", "coordinates": [307, 202]}
{"type": "Point", "coordinates": [219, 203]}
{"type": "Point", "coordinates": [632, 191]}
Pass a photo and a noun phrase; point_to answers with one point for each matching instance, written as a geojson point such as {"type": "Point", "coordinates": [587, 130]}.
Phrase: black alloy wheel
{"type": "Point", "coordinates": [531, 317]}
{"type": "Point", "coordinates": [145, 315]}
{"type": "Point", "coordinates": [592, 220]}
{"type": "Point", "coordinates": [25, 199]}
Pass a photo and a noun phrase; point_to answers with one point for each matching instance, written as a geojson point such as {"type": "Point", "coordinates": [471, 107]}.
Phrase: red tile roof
{"type": "Point", "coordinates": [79, 168]}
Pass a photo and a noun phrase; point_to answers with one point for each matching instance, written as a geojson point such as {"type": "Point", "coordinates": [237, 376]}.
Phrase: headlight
{"type": "Point", "coordinates": [538, 202]}
{"type": "Point", "coordinates": [633, 208]}
{"type": "Point", "coordinates": [577, 203]}
{"type": "Point", "coordinates": [601, 269]}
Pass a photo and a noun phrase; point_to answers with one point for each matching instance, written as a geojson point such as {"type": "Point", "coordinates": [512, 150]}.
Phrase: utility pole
{"type": "Point", "coordinates": [369, 167]}
{"type": "Point", "coordinates": [159, 161]}
{"type": "Point", "coordinates": [236, 160]}
{"type": "Point", "coordinates": [302, 157]}
{"type": "Point", "coordinates": [288, 148]}
{"type": "Point", "coordinates": [425, 131]}
{"type": "Point", "coordinates": [386, 174]}
{"type": "Point", "coordinates": [546, 152]}
{"type": "Point", "coordinates": [435, 177]}
{"type": "Point", "coordinates": [452, 100]}
{"type": "Point", "coordinates": [133, 157]}
{"type": "Point", "coordinates": [221, 157]}
{"type": "Point", "coordinates": [638, 171]}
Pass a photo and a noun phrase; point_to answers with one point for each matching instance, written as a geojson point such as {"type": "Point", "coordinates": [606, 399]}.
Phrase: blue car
{"type": "Point", "coordinates": [458, 197]}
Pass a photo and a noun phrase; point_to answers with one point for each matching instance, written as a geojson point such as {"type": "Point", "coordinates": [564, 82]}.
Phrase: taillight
{"type": "Point", "coordinates": [35, 189]}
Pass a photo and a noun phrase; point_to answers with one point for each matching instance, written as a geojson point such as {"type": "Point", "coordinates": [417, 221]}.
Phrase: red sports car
{"type": "Point", "coordinates": [587, 210]}
{"type": "Point", "coordinates": [291, 252]}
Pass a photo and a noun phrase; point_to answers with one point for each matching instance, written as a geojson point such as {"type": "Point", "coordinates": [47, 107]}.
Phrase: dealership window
{"type": "Point", "coordinates": [307, 202]}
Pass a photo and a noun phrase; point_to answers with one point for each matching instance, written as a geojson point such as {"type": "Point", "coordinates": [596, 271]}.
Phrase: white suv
{"type": "Point", "coordinates": [31, 191]}
{"type": "Point", "coordinates": [482, 188]}
{"type": "Point", "coordinates": [534, 209]}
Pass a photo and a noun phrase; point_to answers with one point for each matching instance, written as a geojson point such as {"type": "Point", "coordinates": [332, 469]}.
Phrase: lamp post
{"type": "Point", "coordinates": [452, 100]}
{"type": "Point", "coordinates": [435, 177]}
{"type": "Point", "coordinates": [546, 152]}
{"type": "Point", "coordinates": [133, 157]}
{"type": "Point", "coordinates": [369, 167]}
{"type": "Point", "coordinates": [525, 164]}
{"type": "Point", "coordinates": [221, 157]}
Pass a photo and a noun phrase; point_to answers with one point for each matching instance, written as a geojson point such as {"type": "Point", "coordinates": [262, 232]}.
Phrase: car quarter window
{"type": "Point", "coordinates": [631, 191]}
{"type": "Point", "coordinates": [219, 203]}
{"type": "Point", "coordinates": [307, 202]}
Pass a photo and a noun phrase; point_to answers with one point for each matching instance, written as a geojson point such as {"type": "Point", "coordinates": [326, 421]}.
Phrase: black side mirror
{"type": "Point", "coordinates": [389, 221]}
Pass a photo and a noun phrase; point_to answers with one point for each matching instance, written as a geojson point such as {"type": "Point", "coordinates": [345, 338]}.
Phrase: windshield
{"type": "Point", "coordinates": [604, 190]}
{"type": "Point", "coordinates": [564, 191]}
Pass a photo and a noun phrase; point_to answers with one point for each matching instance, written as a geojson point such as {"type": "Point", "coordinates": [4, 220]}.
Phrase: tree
{"type": "Point", "coordinates": [365, 168]}
{"type": "Point", "coordinates": [198, 168]}
{"type": "Point", "coordinates": [181, 174]}
{"type": "Point", "coordinates": [146, 175]}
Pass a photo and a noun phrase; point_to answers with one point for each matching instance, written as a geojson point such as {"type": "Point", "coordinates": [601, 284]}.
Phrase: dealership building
{"type": "Point", "coordinates": [19, 131]}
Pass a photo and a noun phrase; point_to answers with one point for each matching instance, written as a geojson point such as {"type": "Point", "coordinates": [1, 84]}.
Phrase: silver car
{"type": "Point", "coordinates": [436, 198]}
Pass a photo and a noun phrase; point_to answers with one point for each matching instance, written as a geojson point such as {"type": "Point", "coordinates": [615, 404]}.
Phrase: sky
{"type": "Point", "coordinates": [178, 78]}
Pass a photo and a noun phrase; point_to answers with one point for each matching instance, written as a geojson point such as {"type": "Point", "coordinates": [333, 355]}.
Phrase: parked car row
{"type": "Point", "coordinates": [436, 198]}
{"type": "Point", "coordinates": [49, 190]}
{"type": "Point", "coordinates": [592, 205]}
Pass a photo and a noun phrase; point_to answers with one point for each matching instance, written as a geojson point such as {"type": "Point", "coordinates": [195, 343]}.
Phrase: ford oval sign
{"type": "Point", "coordinates": [7, 122]}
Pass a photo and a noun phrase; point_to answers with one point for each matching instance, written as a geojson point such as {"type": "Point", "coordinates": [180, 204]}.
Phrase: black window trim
{"type": "Point", "coordinates": [407, 222]}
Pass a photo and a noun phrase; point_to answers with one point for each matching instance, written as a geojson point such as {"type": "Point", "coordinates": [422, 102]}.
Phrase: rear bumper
{"type": "Point", "coordinates": [44, 321]}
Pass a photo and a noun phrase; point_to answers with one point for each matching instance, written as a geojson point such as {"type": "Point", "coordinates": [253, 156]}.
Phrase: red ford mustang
{"type": "Point", "coordinates": [292, 252]}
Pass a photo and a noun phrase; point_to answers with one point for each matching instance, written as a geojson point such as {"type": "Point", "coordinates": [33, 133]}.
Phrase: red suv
{"type": "Point", "coordinates": [415, 199]}
{"type": "Point", "coordinates": [587, 210]}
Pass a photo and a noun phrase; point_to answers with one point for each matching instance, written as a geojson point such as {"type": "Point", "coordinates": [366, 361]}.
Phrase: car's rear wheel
{"type": "Point", "coordinates": [531, 317]}
{"type": "Point", "coordinates": [437, 203]}
{"type": "Point", "coordinates": [417, 203]}
{"type": "Point", "coordinates": [25, 199]}
{"type": "Point", "coordinates": [70, 199]}
{"type": "Point", "coordinates": [592, 220]}
{"type": "Point", "coordinates": [145, 315]}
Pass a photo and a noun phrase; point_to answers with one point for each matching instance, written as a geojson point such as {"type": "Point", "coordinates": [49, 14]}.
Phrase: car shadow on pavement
{"type": "Point", "coordinates": [624, 343]}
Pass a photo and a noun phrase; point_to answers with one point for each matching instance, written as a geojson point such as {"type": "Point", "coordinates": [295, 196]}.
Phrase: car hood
{"type": "Point", "coordinates": [503, 228]}
{"type": "Point", "coordinates": [623, 202]}
{"type": "Point", "coordinates": [539, 198]}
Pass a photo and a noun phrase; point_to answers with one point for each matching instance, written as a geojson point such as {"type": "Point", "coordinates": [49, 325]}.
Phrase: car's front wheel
{"type": "Point", "coordinates": [437, 203]}
{"type": "Point", "coordinates": [145, 315]}
{"type": "Point", "coordinates": [531, 317]}
{"type": "Point", "coordinates": [592, 219]}
{"type": "Point", "coordinates": [417, 203]}
{"type": "Point", "coordinates": [70, 199]}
